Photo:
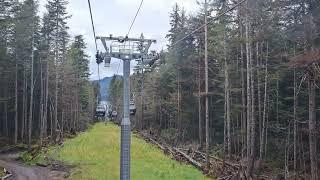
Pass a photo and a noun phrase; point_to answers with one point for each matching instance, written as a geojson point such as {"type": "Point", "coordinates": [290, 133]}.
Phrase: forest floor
{"type": "Point", "coordinates": [95, 155]}
{"type": "Point", "coordinates": [21, 171]}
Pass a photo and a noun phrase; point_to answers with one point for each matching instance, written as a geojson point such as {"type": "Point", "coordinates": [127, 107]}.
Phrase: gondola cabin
{"type": "Point", "coordinates": [132, 108]}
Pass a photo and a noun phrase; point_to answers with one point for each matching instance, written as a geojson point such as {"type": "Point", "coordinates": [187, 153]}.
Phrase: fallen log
{"type": "Point", "coordinates": [165, 148]}
{"type": "Point", "coordinates": [221, 160]}
{"type": "Point", "coordinates": [6, 176]}
{"type": "Point", "coordinates": [154, 142]}
{"type": "Point", "coordinates": [194, 162]}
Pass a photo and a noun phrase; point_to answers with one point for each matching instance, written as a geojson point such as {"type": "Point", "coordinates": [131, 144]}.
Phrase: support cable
{"type": "Point", "coordinates": [93, 29]}
{"type": "Point", "coordinates": [95, 41]}
{"type": "Point", "coordinates": [132, 23]}
{"type": "Point", "coordinates": [135, 17]}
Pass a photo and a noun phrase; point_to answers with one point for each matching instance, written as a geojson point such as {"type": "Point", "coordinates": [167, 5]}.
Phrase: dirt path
{"type": "Point", "coordinates": [25, 172]}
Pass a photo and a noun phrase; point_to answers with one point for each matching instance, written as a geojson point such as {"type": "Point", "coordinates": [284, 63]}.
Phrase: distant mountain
{"type": "Point", "coordinates": [104, 88]}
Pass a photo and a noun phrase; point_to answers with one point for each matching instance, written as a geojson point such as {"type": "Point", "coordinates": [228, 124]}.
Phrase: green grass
{"type": "Point", "coordinates": [96, 156]}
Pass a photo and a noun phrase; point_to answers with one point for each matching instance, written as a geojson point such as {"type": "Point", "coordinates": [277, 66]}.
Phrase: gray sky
{"type": "Point", "coordinates": [114, 17]}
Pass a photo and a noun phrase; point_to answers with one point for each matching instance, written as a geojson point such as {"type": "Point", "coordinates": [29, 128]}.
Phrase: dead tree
{"type": "Point", "coordinates": [309, 62]}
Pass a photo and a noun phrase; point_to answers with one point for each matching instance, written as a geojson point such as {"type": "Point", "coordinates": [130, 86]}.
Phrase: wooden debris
{"type": "Point", "coordinates": [154, 142]}
{"type": "Point", "coordinates": [218, 167]}
{"type": "Point", "coordinates": [221, 160]}
{"type": "Point", "coordinates": [7, 174]}
{"type": "Point", "coordinates": [192, 161]}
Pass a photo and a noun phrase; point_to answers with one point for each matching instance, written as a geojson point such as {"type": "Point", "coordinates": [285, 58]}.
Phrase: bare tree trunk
{"type": "Point", "coordinates": [247, 29]}
{"type": "Point", "coordinates": [31, 96]}
{"type": "Point", "coordinates": [225, 137]}
{"type": "Point", "coordinates": [6, 132]}
{"type": "Point", "coordinates": [227, 101]}
{"type": "Point", "coordinates": [55, 123]}
{"type": "Point", "coordinates": [295, 104]}
{"type": "Point", "coordinates": [24, 104]}
{"type": "Point", "coordinates": [262, 142]}
{"type": "Point", "coordinates": [277, 99]}
{"type": "Point", "coordinates": [253, 120]}
{"type": "Point", "coordinates": [199, 103]}
{"type": "Point", "coordinates": [76, 109]}
{"type": "Point", "coordinates": [62, 123]}
{"type": "Point", "coordinates": [243, 98]}
{"type": "Point", "coordinates": [238, 127]}
{"type": "Point", "coordinates": [312, 127]}
{"type": "Point", "coordinates": [287, 156]}
{"type": "Point", "coordinates": [51, 118]}
{"type": "Point", "coordinates": [178, 103]}
{"type": "Point", "coordinates": [45, 121]}
{"type": "Point", "coordinates": [16, 105]}
{"type": "Point", "coordinates": [243, 108]}
{"type": "Point", "coordinates": [303, 155]}
{"type": "Point", "coordinates": [26, 110]}
{"type": "Point", "coordinates": [258, 89]}
{"type": "Point", "coordinates": [63, 106]}
{"type": "Point", "coordinates": [73, 111]}
{"type": "Point", "coordinates": [206, 85]}
{"type": "Point", "coordinates": [266, 128]}
{"type": "Point", "coordinates": [56, 56]}
{"type": "Point", "coordinates": [41, 119]}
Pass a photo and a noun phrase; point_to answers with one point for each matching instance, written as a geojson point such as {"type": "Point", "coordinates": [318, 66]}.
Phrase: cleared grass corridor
{"type": "Point", "coordinates": [96, 156]}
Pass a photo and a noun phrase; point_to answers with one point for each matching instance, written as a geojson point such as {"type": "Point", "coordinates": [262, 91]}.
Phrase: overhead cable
{"type": "Point", "coordinates": [93, 29]}
{"type": "Point", "coordinates": [135, 17]}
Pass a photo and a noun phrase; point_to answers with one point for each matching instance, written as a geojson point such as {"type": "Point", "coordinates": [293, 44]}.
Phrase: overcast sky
{"type": "Point", "coordinates": [114, 17]}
